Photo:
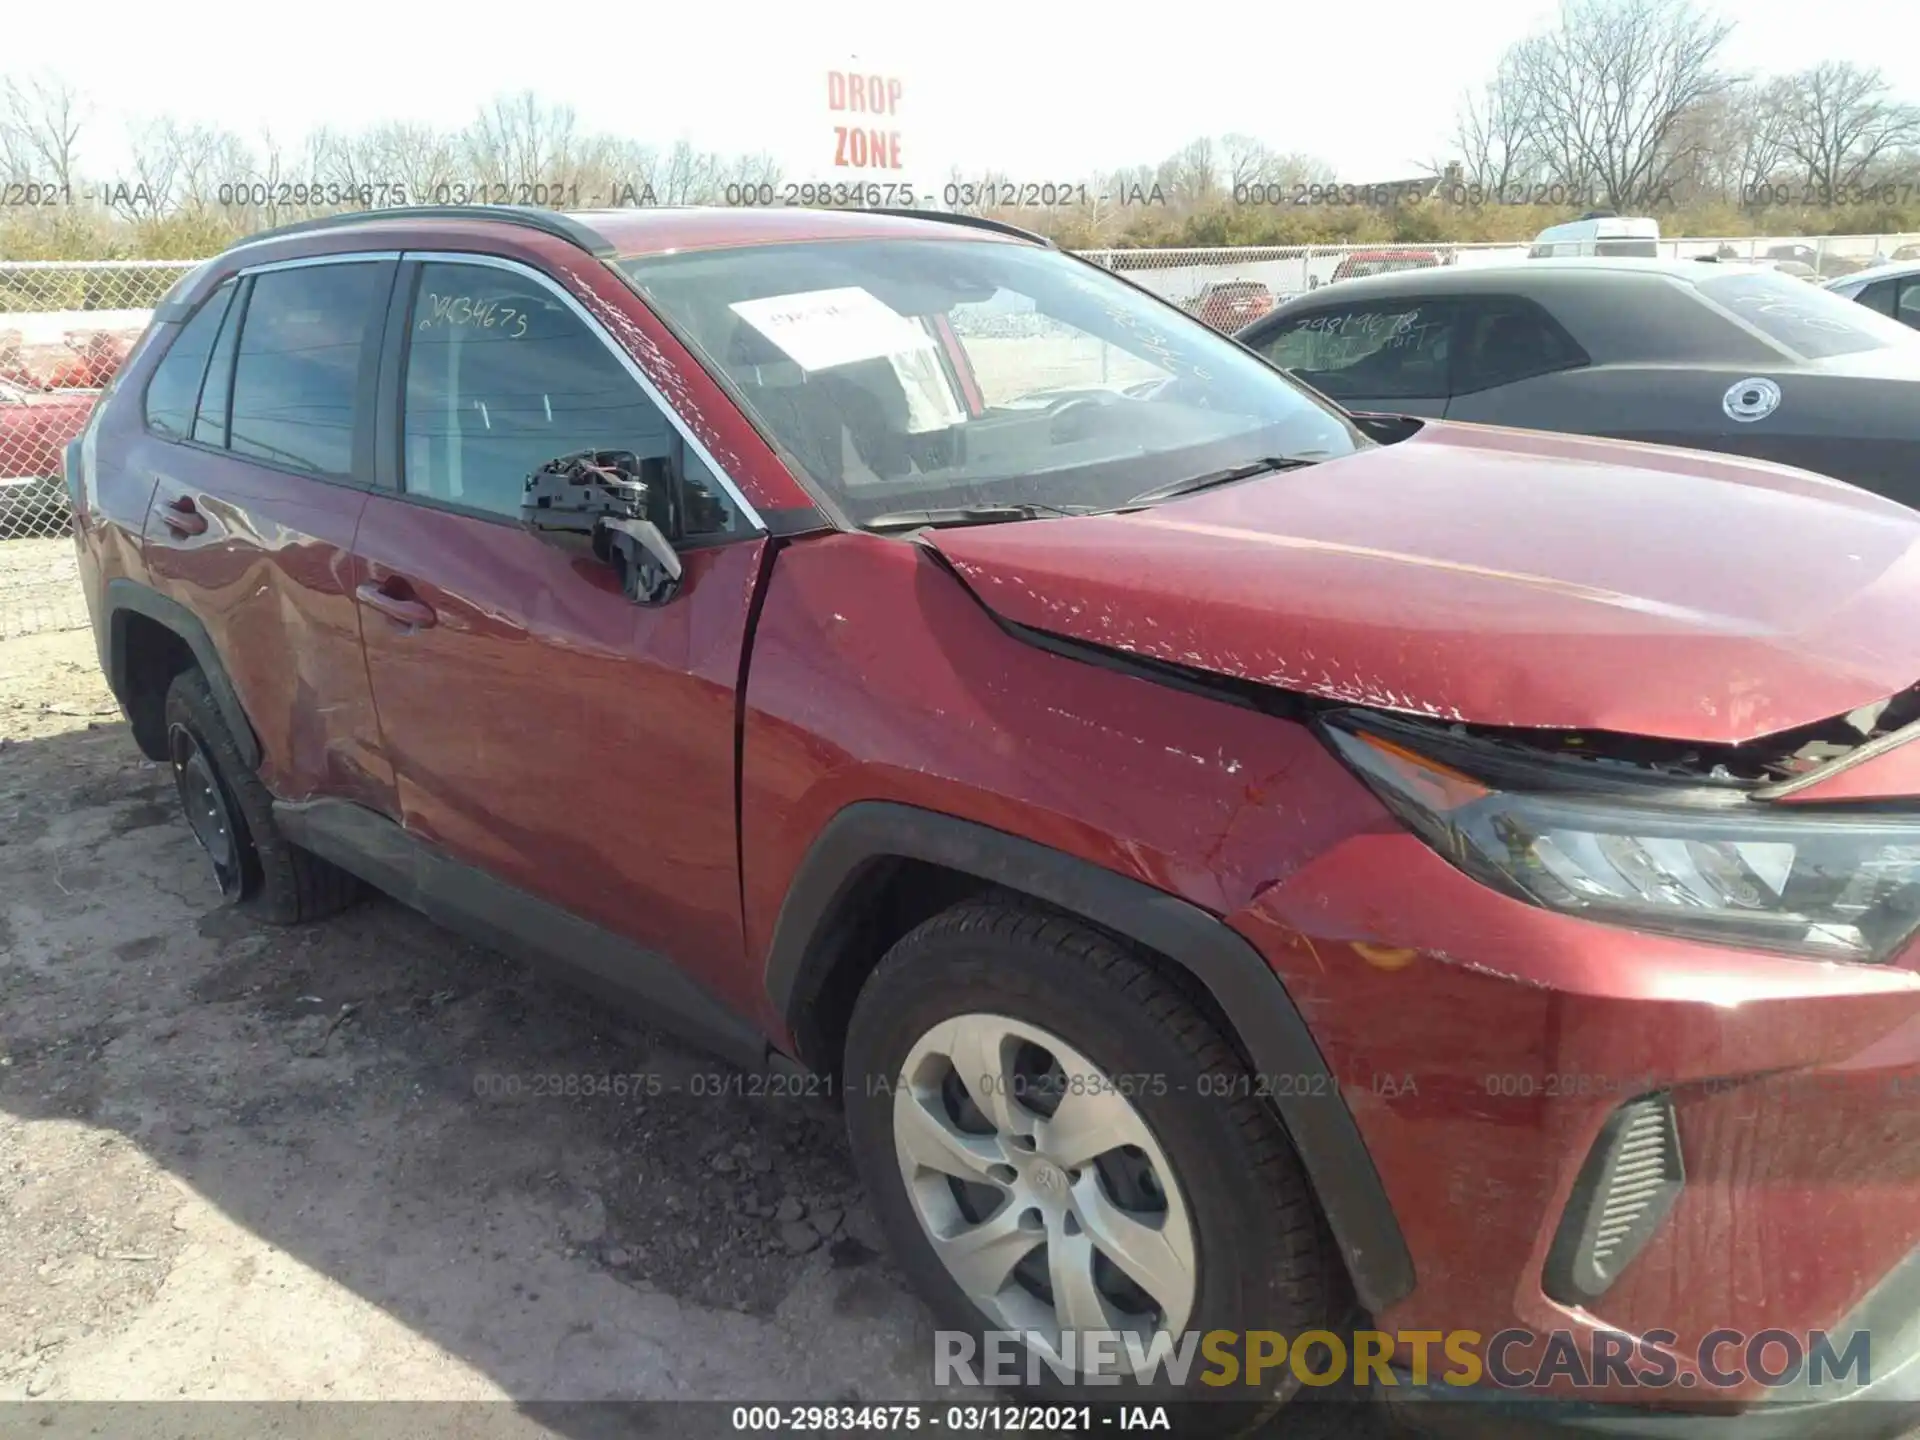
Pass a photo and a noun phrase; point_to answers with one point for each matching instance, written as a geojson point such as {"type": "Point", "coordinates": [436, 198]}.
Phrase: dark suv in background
{"type": "Point", "coordinates": [1240, 864]}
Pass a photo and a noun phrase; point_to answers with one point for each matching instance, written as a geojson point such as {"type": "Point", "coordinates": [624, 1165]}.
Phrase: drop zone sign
{"type": "Point", "coordinates": [865, 110]}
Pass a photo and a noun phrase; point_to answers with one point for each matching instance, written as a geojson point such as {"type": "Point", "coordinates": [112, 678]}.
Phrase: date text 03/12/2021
{"type": "Point", "coordinates": [955, 1419]}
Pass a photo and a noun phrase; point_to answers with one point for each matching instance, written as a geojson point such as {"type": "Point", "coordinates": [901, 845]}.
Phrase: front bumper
{"type": "Point", "coordinates": [1482, 1046]}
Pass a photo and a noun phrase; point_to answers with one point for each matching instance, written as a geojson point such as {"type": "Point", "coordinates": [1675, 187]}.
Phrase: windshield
{"type": "Point", "coordinates": [927, 374]}
{"type": "Point", "coordinates": [1811, 322]}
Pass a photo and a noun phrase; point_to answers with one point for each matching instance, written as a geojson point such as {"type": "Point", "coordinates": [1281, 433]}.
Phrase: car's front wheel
{"type": "Point", "coordinates": [1059, 1144]}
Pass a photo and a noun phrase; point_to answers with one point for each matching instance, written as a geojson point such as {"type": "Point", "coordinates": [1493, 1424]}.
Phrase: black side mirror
{"type": "Point", "coordinates": [622, 504]}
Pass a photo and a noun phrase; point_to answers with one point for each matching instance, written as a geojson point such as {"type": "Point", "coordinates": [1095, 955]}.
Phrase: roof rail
{"type": "Point", "coordinates": [977, 222]}
{"type": "Point", "coordinates": [550, 222]}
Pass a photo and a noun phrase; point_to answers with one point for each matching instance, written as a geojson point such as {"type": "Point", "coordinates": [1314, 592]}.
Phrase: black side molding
{"type": "Point", "coordinates": [125, 597]}
{"type": "Point", "coordinates": [473, 903]}
{"type": "Point", "coordinates": [1246, 989]}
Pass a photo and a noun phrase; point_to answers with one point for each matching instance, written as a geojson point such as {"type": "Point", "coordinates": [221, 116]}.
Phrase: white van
{"type": "Point", "coordinates": [1599, 235]}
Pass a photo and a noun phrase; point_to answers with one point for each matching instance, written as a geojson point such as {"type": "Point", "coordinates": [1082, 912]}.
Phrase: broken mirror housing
{"type": "Point", "coordinates": [601, 494]}
{"type": "Point", "coordinates": [1652, 853]}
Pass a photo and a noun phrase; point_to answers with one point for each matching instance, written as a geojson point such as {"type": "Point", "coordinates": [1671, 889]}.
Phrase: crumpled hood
{"type": "Point", "coordinates": [1499, 577]}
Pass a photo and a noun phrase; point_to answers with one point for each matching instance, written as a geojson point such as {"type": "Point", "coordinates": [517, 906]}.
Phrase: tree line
{"type": "Point", "coordinates": [1623, 104]}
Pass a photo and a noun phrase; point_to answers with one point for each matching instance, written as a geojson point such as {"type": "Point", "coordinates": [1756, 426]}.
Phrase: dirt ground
{"type": "Point", "coordinates": [247, 1163]}
{"type": "Point", "coordinates": [39, 583]}
{"type": "Point", "coordinates": [241, 1162]}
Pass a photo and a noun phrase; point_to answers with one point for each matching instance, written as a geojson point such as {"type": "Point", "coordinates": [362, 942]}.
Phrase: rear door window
{"type": "Point", "coordinates": [298, 371]}
{"type": "Point", "coordinates": [173, 395]}
{"type": "Point", "coordinates": [1390, 351]}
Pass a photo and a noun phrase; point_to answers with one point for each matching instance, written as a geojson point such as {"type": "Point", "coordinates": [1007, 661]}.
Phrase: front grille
{"type": "Point", "coordinates": [1629, 1182]}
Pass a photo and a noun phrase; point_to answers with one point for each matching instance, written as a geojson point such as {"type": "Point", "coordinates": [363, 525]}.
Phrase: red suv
{"type": "Point", "coordinates": [1237, 861]}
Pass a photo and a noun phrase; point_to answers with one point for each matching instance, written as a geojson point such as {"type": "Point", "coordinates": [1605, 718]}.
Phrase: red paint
{"type": "Point", "coordinates": [543, 651]}
{"type": "Point", "coordinates": [584, 748]}
{"type": "Point", "coordinates": [866, 149]}
{"type": "Point", "coordinates": [1499, 577]}
{"type": "Point", "coordinates": [871, 94]}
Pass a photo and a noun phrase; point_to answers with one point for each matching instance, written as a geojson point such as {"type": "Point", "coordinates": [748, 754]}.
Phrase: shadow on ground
{"type": "Point", "coordinates": [364, 1160]}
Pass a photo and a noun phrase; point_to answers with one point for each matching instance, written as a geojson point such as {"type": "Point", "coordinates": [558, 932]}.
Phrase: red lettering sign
{"type": "Point", "coordinates": [863, 94]}
{"type": "Point", "coordinates": [861, 147]}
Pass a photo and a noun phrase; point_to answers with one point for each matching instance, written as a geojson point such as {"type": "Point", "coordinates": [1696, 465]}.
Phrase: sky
{"type": "Point", "coordinates": [1038, 92]}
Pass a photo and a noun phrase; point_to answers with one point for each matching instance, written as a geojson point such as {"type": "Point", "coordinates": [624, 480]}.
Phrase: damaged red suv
{"type": "Point", "coordinates": [1246, 867]}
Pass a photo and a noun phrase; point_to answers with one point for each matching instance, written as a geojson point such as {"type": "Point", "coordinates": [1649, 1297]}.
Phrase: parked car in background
{"type": "Point", "coordinates": [79, 360]}
{"type": "Point", "coordinates": [1892, 290]}
{"type": "Point", "coordinates": [1724, 356]}
{"type": "Point", "coordinates": [1385, 262]}
{"type": "Point", "coordinates": [1154, 812]}
{"type": "Point", "coordinates": [35, 428]}
{"type": "Point", "coordinates": [1228, 304]}
{"type": "Point", "coordinates": [1627, 236]}
{"type": "Point", "coordinates": [97, 356]}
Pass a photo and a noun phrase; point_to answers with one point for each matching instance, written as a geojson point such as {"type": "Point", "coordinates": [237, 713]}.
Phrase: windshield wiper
{"type": "Point", "coordinates": [967, 515]}
{"type": "Point", "coordinates": [1269, 465]}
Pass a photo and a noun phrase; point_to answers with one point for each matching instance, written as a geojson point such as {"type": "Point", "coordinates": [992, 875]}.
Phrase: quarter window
{"type": "Point", "coordinates": [1907, 312]}
{"type": "Point", "coordinates": [1508, 340]}
{"type": "Point", "coordinates": [210, 422]}
{"type": "Point", "coordinates": [298, 371]}
{"type": "Point", "coordinates": [1877, 296]}
{"type": "Point", "coordinates": [174, 392]}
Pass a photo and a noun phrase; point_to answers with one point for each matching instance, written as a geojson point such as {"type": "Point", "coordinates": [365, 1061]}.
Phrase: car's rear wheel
{"type": "Point", "coordinates": [1057, 1140]}
{"type": "Point", "coordinates": [230, 813]}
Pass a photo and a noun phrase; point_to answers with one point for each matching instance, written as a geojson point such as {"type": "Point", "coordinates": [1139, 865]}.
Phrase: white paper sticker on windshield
{"type": "Point", "coordinates": [824, 328]}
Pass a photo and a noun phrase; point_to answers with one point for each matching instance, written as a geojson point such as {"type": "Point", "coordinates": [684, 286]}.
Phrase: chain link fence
{"type": "Point", "coordinates": [64, 329]}
{"type": "Point", "coordinates": [65, 326]}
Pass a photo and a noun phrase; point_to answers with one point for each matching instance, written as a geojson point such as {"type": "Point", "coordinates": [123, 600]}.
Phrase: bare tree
{"type": "Point", "coordinates": [1494, 134]}
{"type": "Point", "coordinates": [688, 176]}
{"type": "Point", "coordinates": [1839, 121]}
{"type": "Point", "coordinates": [1606, 90]}
{"type": "Point", "coordinates": [1191, 175]}
{"type": "Point", "coordinates": [40, 122]}
{"type": "Point", "coordinates": [399, 164]}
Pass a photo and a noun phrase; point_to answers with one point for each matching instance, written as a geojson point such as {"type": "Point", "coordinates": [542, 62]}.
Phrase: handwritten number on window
{"type": "Point", "coordinates": [448, 311]}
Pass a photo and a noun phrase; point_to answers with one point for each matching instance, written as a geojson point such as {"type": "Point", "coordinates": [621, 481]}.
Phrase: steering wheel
{"type": "Point", "coordinates": [1067, 418]}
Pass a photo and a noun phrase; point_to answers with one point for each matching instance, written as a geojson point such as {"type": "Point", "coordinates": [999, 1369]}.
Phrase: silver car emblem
{"type": "Point", "coordinates": [1751, 400]}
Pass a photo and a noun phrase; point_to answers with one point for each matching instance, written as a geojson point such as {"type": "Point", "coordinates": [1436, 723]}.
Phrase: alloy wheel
{"type": "Point", "coordinates": [209, 814]}
{"type": "Point", "coordinates": [1041, 1188]}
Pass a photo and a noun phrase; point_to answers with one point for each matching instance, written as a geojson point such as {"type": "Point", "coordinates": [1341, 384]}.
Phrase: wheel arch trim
{"type": "Point", "coordinates": [126, 597]}
{"type": "Point", "coordinates": [1267, 1023]}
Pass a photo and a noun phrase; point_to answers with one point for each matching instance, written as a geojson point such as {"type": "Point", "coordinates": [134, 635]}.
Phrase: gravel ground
{"type": "Point", "coordinates": [246, 1163]}
{"type": "Point", "coordinates": [39, 585]}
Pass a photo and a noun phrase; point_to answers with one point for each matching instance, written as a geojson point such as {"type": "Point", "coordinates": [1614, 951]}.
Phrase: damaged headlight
{"type": "Point", "coordinates": [1715, 867]}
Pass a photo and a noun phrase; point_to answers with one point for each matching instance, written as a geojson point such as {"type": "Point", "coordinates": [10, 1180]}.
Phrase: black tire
{"type": "Point", "coordinates": [1265, 1260]}
{"type": "Point", "coordinates": [276, 880]}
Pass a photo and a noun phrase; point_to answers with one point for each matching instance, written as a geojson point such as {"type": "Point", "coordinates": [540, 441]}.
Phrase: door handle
{"type": "Point", "coordinates": [183, 517]}
{"type": "Point", "coordinates": [402, 609]}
